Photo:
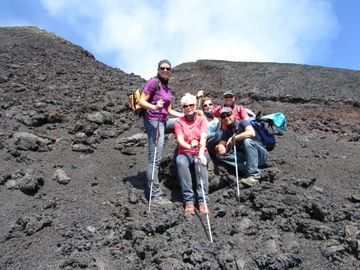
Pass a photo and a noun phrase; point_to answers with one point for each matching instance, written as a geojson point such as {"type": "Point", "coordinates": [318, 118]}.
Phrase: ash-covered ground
{"type": "Point", "coordinates": [73, 157]}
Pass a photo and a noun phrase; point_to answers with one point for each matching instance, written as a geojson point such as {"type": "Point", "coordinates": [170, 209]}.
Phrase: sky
{"type": "Point", "coordinates": [134, 35]}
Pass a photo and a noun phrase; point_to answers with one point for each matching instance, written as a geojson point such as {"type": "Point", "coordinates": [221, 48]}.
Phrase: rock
{"type": "Point", "coordinates": [331, 248]}
{"type": "Point", "coordinates": [133, 199]}
{"type": "Point", "coordinates": [61, 177]}
{"type": "Point", "coordinates": [101, 118]}
{"type": "Point", "coordinates": [316, 210]}
{"type": "Point", "coordinates": [79, 147]}
{"type": "Point", "coordinates": [355, 198]}
{"type": "Point", "coordinates": [30, 184]}
{"type": "Point", "coordinates": [80, 136]}
{"type": "Point", "coordinates": [12, 184]}
{"type": "Point", "coordinates": [28, 141]}
{"type": "Point", "coordinates": [138, 139]}
{"type": "Point", "coordinates": [36, 119]}
{"type": "Point", "coordinates": [219, 212]}
{"type": "Point", "coordinates": [314, 229]}
{"type": "Point", "coordinates": [91, 229]}
{"type": "Point", "coordinates": [305, 182]}
{"type": "Point", "coordinates": [352, 235]}
{"type": "Point", "coordinates": [4, 178]}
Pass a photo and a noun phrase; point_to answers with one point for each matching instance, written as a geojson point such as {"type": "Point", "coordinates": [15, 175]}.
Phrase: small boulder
{"type": "Point", "coordinates": [31, 142]}
{"type": "Point", "coordinates": [61, 177]}
{"type": "Point", "coordinates": [30, 183]}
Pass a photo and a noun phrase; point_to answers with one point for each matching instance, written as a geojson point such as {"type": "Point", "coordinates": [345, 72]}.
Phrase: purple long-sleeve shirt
{"type": "Point", "coordinates": [164, 93]}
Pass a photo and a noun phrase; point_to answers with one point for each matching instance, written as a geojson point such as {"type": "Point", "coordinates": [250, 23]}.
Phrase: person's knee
{"type": "Point", "coordinates": [248, 142]}
{"type": "Point", "coordinates": [182, 162]}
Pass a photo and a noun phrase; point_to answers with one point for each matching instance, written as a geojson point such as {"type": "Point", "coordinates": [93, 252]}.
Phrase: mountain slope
{"type": "Point", "coordinates": [72, 177]}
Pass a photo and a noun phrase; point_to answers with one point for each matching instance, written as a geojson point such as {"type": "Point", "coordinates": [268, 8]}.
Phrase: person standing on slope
{"type": "Point", "coordinates": [156, 100]}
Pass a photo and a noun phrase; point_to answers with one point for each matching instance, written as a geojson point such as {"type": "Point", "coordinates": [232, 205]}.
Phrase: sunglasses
{"type": "Point", "coordinates": [228, 96]}
{"type": "Point", "coordinates": [207, 105]}
{"type": "Point", "coordinates": [165, 68]}
{"type": "Point", "coordinates": [225, 115]}
{"type": "Point", "coordinates": [190, 106]}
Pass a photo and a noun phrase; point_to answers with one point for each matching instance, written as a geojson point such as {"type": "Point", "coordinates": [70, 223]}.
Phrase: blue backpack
{"type": "Point", "coordinates": [267, 126]}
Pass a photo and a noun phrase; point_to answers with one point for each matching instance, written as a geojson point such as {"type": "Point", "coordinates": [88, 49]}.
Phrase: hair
{"type": "Point", "coordinates": [188, 98]}
{"type": "Point", "coordinates": [163, 62]}
{"type": "Point", "coordinates": [205, 99]}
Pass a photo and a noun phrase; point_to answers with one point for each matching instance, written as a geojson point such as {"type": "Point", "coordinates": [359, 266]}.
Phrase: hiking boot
{"type": "Point", "coordinates": [189, 209]}
{"type": "Point", "coordinates": [249, 181]}
{"type": "Point", "coordinates": [203, 209]}
{"type": "Point", "coordinates": [160, 201]}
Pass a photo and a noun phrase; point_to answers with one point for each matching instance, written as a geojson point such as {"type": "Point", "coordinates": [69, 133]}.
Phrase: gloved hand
{"type": "Point", "coordinates": [201, 159]}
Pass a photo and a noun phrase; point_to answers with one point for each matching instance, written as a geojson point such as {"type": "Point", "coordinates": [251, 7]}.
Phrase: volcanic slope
{"type": "Point", "coordinates": [73, 157]}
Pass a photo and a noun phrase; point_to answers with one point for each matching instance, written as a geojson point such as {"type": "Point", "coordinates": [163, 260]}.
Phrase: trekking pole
{"type": "Point", "coordinates": [153, 165]}
{"type": "Point", "coordinates": [236, 170]}
{"type": "Point", "coordinates": [203, 193]}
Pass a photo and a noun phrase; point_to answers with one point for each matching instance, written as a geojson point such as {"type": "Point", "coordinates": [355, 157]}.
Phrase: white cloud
{"type": "Point", "coordinates": [139, 33]}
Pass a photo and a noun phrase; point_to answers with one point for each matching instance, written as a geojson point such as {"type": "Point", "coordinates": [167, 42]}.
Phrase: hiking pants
{"type": "Point", "coordinates": [151, 130]}
{"type": "Point", "coordinates": [250, 156]}
{"type": "Point", "coordinates": [185, 164]}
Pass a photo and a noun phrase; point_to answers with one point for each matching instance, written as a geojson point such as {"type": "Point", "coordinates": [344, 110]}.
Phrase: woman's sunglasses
{"type": "Point", "coordinates": [225, 115]}
{"type": "Point", "coordinates": [207, 105]}
{"type": "Point", "coordinates": [190, 105]}
{"type": "Point", "coordinates": [165, 68]}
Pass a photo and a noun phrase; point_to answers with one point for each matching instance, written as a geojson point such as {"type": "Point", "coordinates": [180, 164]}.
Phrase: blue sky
{"type": "Point", "coordinates": [134, 35]}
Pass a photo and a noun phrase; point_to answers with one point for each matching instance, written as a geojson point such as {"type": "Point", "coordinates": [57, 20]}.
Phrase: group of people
{"type": "Point", "coordinates": [201, 130]}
